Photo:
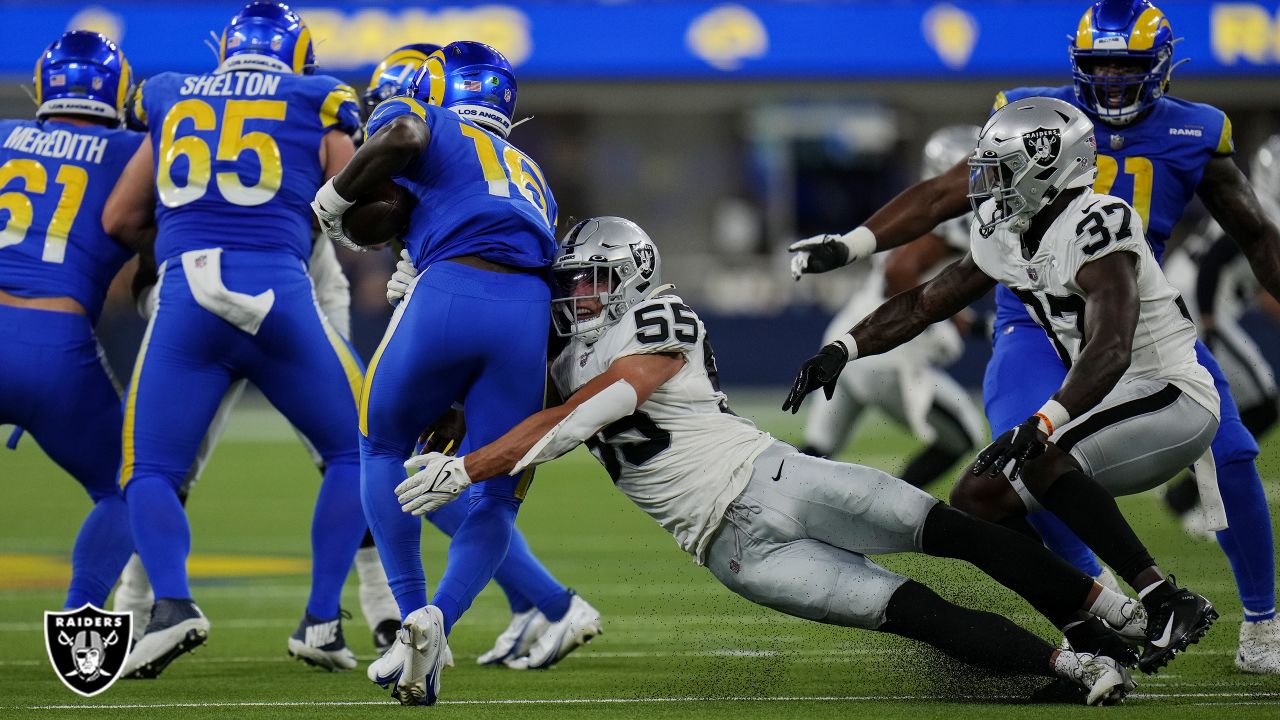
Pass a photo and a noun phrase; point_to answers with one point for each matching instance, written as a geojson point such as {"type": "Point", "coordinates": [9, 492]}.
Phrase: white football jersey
{"type": "Point", "coordinates": [1093, 226]}
{"type": "Point", "coordinates": [682, 457]}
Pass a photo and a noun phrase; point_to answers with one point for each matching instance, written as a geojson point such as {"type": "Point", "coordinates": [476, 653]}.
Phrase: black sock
{"type": "Point", "coordinates": [979, 638]}
{"type": "Point", "coordinates": [929, 465]}
{"type": "Point", "coordinates": [1183, 495]}
{"type": "Point", "coordinates": [1091, 512]}
{"type": "Point", "coordinates": [1021, 525]}
{"type": "Point", "coordinates": [1046, 581]}
{"type": "Point", "coordinates": [368, 539]}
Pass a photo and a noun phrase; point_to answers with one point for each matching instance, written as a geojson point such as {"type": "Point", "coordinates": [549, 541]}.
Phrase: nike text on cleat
{"type": "Point", "coordinates": [319, 643]}
{"type": "Point", "coordinates": [514, 642]}
{"type": "Point", "coordinates": [1259, 650]}
{"type": "Point", "coordinates": [176, 627]}
{"type": "Point", "coordinates": [579, 625]}
{"type": "Point", "coordinates": [413, 665]}
{"type": "Point", "coordinates": [1178, 621]}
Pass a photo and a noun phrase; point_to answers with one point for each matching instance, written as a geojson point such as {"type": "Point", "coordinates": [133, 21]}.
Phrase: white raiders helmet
{"type": "Point", "coordinates": [946, 147]}
{"type": "Point", "coordinates": [604, 260]}
{"type": "Point", "coordinates": [1029, 151]}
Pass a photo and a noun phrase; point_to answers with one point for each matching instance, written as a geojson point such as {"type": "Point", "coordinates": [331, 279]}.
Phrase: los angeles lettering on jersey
{"type": "Point", "coordinates": [57, 144]}
{"type": "Point", "coordinates": [232, 83]}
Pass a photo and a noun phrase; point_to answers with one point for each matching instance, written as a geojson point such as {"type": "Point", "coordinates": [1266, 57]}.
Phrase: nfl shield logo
{"type": "Point", "coordinates": [87, 647]}
{"type": "Point", "coordinates": [1031, 273]}
{"type": "Point", "coordinates": [96, 83]}
{"type": "Point", "coordinates": [1117, 141]}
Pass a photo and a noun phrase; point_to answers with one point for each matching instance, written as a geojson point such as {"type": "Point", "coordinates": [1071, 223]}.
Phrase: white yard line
{"type": "Point", "coordinates": [1253, 699]}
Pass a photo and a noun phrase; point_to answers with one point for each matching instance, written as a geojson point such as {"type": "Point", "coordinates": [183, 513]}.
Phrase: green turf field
{"type": "Point", "coordinates": [676, 644]}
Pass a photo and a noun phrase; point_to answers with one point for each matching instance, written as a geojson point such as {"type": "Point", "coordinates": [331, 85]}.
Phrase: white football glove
{"type": "Point", "coordinates": [398, 285]}
{"type": "Point", "coordinates": [822, 253]}
{"type": "Point", "coordinates": [329, 208]}
{"type": "Point", "coordinates": [439, 481]}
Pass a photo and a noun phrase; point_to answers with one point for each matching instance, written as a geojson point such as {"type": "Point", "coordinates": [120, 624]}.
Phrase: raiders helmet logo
{"type": "Point", "coordinates": [1043, 145]}
{"type": "Point", "coordinates": [87, 647]}
{"type": "Point", "coordinates": [644, 257]}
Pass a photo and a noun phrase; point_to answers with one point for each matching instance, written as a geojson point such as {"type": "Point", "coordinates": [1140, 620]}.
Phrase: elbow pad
{"type": "Point", "coordinates": [613, 403]}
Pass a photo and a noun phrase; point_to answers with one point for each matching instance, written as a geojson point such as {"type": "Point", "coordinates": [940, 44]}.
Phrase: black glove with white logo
{"type": "Point", "coordinates": [1019, 445]}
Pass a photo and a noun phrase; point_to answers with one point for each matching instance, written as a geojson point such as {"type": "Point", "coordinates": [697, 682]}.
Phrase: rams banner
{"type": "Point", "coordinates": [792, 41]}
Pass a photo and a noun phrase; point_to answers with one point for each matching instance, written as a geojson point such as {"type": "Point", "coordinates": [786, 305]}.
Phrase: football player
{"type": "Point", "coordinates": [786, 530]}
{"type": "Point", "coordinates": [1135, 407]}
{"type": "Point", "coordinates": [1155, 152]}
{"type": "Point", "coordinates": [527, 641]}
{"type": "Point", "coordinates": [908, 383]}
{"type": "Point", "coordinates": [56, 262]}
{"type": "Point", "coordinates": [230, 163]}
{"type": "Point", "coordinates": [472, 329]}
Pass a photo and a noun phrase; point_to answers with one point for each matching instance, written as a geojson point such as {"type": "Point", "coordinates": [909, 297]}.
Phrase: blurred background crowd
{"type": "Point", "coordinates": [727, 130]}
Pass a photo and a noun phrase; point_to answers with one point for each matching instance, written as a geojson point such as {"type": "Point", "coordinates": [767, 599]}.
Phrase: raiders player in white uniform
{"type": "Point", "coordinates": [1135, 406]}
{"type": "Point", "coordinates": [908, 383]}
{"type": "Point", "coordinates": [783, 529]}
{"type": "Point", "coordinates": [377, 604]}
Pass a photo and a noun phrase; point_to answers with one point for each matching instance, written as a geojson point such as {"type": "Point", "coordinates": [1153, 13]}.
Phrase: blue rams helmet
{"type": "Point", "coordinates": [267, 36]}
{"type": "Point", "coordinates": [1121, 59]}
{"type": "Point", "coordinates": [82, 73]}
{"type": "Point", "coordinates": [392, 76]}
{"type": "Point", "coordinates": [471, 79]}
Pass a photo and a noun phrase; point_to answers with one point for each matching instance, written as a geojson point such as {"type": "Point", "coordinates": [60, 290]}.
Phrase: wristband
{"type": "Point", "coordinates": [331, 201]}
{"type": "Point", "coordinates": [1052, 416]}
{"type": "Point", "coordinates": [861, 243]}
{"type": "Point", "coordinates": [850, 345]}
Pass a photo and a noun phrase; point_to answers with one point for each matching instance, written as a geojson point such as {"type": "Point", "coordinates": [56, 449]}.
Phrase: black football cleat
{"type": "Point", "coordinates": [1095, 637]}
{"type": "Point", "coordinates": [1180, 619]}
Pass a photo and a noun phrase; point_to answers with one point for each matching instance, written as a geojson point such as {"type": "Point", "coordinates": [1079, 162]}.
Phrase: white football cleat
{"type": "Point", "coordinates": [1105, 680]}
{"type": "Point", "coordinates": [320, 643]}
{"type": "Point", "coordinates": [134, 595]}
{"type": "Point", "coordinates": [176, 627]}
{"type": "Point", "coordinates": [579, 625]}
{"type": "Point", "coordinates": [413, 665]}
{"type": "Point", "coordinates": [1259, 650]}
{"type": "Point", "coordinates": [516, 641]}
{"type": "Point", "coordinates": [1134, 628]}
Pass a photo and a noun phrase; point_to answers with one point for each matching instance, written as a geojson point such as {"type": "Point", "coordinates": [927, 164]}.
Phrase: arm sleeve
{"type": "Point", "coordinates": [333, 291]}
{"type": "Point", "coordinates": [1211, 266]}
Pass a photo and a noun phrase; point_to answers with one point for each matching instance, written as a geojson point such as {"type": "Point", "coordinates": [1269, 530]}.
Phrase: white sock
{"type": "Point", "coordinates": [376, 601]}
{"type": "Point", "coordinates": [1067, 665]}
{"type": "Point", "coordinates": [1113, 607]}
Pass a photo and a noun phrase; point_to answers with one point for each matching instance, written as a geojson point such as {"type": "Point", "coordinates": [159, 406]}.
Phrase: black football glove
{"type": "Point", "coordinates": [820, 371]}
{"type": "Point", "coordinates": [818, 254]}
{"type": "Point", "coordinates": [1019, 445]}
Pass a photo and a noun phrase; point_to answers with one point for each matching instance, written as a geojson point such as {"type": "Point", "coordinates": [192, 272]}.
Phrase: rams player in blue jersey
{"type": "Point", "coordinates": [535, 596]}
{"type": "Point", "coordinates": [472, 329]}
{"type": "Point", "coordinates": [1156, 152]}
{"type": "Point", "coordinates": [56, 261]}
{"type": "Point", "coordinates": [230, 162]}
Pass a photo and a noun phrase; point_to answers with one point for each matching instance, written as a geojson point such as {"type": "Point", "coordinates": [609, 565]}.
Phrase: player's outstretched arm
{"type": "Point", "coordinates": [129, 214]}
{"type": "Point", "coordinates": [541, 437]}
{"type": "Point", "coordinates": [1111, 308]}
{"type": "Point", "coordinates": [913, 213]}
{"type": "Point", "coordinates": [1230, 199]}
{"type": "Point", "coordinates": [899, 319]}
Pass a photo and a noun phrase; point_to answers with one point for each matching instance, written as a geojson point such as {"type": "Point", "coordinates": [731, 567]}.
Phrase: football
{"type": "Point", "coordinates": [379, 216]}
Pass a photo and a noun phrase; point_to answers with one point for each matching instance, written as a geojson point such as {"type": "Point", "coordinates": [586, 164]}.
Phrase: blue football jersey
{"type": "Point", "coordinates": [477, 194]}
{"type": "Point", "coordinates": [238, 156]}
{"type": "Point", "coordinates": [54, 179]}
{"type": "Point", "coordinates": [1155, 165]}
